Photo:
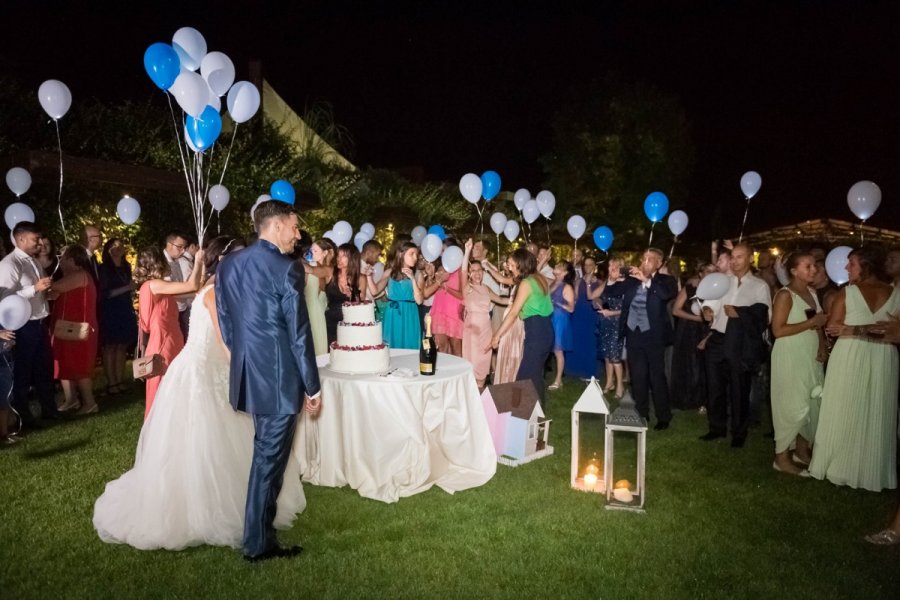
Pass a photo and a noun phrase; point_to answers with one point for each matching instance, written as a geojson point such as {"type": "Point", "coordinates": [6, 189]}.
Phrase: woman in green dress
{"type": "Point", "coordinates": [797, 373]}
{"type": "Point", "coordinates": [856, 440]}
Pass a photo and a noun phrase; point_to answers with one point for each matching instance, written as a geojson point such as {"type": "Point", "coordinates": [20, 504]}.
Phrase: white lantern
{"type": "Point", "coordinates": [588, 477]}
{"type": "Point", "coordinates": [621, 495]}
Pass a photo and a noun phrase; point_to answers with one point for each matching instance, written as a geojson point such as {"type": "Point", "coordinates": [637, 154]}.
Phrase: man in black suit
{"type": "Point", "coordinates": [647, 329]}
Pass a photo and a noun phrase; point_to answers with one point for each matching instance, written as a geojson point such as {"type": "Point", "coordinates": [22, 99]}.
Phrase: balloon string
{"type": "Point", "coordinates": [548, 230]}
{"type": "Point", "coordinates": [178, 143]}
{"type": "Point", "coordinates": [744, 222]}
{"type": "Point", "coordinates": [652, 225]}
{"type": "Point", "coordinates": [59, 198]}
{"type": "Point", "coordinates": [218, 222]}
{"type": "Point", "coordinates": [672, 249]}
{"type": "Point", "coordinates": [498, 248]}
{"type": "Point", "coordinates": [861, 232]}
{"type": "Point", "coordinates": [227, 156]}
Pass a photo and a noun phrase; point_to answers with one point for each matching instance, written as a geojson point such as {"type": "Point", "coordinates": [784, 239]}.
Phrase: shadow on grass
{"type": "Point", "coordinates": [51, 451]}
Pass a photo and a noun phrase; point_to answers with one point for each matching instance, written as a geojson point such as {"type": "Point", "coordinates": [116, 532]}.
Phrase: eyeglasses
{"type": "Point", "coordinates": [179, 246]}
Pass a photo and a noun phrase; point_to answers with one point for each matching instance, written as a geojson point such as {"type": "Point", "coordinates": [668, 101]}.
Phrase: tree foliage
{"type": "Point", "coordinates": [614, 143]}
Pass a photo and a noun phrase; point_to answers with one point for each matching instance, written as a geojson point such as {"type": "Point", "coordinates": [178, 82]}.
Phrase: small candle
{"type": "Point", "coordinates": [590, 480]}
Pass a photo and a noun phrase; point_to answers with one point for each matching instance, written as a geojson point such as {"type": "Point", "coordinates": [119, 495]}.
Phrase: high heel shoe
{"type": "Point", "coordinates": [67, 406]}
{"type": "Point", "coordinates": [554, 386]}
{"type": "Point", "coordinates": [89, 410]}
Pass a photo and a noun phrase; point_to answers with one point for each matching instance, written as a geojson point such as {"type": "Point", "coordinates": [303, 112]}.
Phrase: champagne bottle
{"type": "Point", "coordinates": [427, 351]}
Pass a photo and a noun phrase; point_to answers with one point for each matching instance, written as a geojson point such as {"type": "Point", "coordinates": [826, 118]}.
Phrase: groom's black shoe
{"type": "Point", "coordinates": [276, 552]}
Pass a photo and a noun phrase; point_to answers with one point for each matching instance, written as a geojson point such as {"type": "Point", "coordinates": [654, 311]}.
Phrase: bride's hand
{"type": "Point", "coordinates": [313, 405]}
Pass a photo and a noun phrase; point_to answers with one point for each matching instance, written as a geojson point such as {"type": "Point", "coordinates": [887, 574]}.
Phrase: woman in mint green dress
{"type": "Point", "coordinates": [797, 371]}
{"type": "Point", "coordinates": [856, 440]}
{"type": "Point", "coordinates": [401, 316]}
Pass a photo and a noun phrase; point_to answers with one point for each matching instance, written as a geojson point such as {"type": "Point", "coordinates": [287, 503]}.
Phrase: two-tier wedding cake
{"type": "Point", "coordinates": [360, 346]}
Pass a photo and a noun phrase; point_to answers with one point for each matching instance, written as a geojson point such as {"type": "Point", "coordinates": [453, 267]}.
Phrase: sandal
{"type": "Point", "coordinates": [554, 386]}
{"type": "Point", "coordinates": [888, 537]}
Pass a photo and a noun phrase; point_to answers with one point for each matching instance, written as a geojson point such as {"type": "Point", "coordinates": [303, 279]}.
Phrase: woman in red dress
{"type": "Point", "coordinates": [74, 360]}
{"type": "Point", "coordinates": [158, 310]}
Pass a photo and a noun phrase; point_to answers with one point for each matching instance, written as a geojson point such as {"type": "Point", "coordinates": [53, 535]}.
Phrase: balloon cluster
{"type": "Point", "coordinates": [18, 180]}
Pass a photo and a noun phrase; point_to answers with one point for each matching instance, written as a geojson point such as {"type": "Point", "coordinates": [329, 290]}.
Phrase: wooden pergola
{"type": "Point", "coordinates": [829, 232]}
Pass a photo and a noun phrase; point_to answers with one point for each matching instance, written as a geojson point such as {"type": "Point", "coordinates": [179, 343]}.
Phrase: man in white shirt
{"type": "Point", "coordinates": [21, 274]}
{"type": "Point", "coordinates": [181, 267]}
{"type": "Point", "coordinates": [735, 348]}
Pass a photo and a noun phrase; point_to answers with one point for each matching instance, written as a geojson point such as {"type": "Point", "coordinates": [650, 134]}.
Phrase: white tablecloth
{"type": "Point", "coordinates": [389, 438]}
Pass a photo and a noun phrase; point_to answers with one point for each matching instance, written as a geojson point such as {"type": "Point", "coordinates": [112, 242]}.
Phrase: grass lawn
{"type": "Point", "coordinates": [720, 523]}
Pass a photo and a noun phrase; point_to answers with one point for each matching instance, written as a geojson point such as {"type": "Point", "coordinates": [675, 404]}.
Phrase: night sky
{"type": "Point", "coordinates": [805, 93]}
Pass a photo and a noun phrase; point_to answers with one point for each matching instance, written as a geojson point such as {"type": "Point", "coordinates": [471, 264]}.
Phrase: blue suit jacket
{"type": "Point", "coordinates": [262, 314]}
{"type": "Point", "coordinates": [663, 288]}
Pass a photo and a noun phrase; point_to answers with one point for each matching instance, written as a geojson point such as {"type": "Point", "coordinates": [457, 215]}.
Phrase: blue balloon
{"type": "Point", "coordinates": [490, 185]}
{"type": "Point", "coordinates": [204, 131]}
{"type": "Point", "coordinates": [603, 237]}
{"type": "Point", "coordinates": [162, 64]}
{"type": "Point", "coordinates": [656, 206]}
{"type": "Point", "coordinates": [283, 191]}
{"type": "Point", "coordinates": [438, 231]}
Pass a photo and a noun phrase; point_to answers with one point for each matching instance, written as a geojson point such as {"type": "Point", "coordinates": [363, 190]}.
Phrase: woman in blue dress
{"type": "Point", "coordinates": [562, 293]}
{"type": "Point", "coordinates": [118, 322]}
{"type": "Point", "coordinates": [401, 315]}
{"type": "Point", "coordinates": [612, 341]}
{"type": "Point", "coordinates": [582, 360]}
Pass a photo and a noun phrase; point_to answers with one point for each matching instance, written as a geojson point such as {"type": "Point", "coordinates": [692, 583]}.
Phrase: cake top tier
{"type": "Point", "coordinates": [358, 312]}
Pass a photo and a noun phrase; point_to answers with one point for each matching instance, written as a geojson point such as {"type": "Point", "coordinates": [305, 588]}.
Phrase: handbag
{"type": "Point", "coordinates": [72, 331]}
{"type": "Point", "coordinates": [146, 367]}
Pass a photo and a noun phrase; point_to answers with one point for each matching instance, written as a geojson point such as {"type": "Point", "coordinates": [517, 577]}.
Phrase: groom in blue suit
{"type": "Point", "coordinates": [263, 318]}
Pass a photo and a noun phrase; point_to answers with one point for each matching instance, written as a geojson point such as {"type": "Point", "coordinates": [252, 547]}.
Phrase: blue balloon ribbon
{"type": "Point", "coordinates": [204, 131]}
{"type": "Point", "coordinates": [162, 64]}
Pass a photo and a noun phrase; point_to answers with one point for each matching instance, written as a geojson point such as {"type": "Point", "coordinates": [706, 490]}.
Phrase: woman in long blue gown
{"type": "Point", "coordinates": [581, 361]}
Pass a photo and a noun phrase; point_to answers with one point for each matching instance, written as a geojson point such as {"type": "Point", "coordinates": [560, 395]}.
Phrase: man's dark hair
{"type": "Point", "coordinates": [25, 227]}
{"type": "Point", "coordinates": [270, 209]}
{"type": "Point", "coordinates": [372, 244]}
{"type": "Point", "coordinates": [174, 235]}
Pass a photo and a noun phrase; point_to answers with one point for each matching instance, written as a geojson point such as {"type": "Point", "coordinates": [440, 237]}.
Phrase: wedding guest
{"type": "Point", "coordinates": [429, 277]}
{"type": "Point", "coordinates": [74, 360]}
{"type": "Point", "coordinates": [765, 270]}
{"type": "Point", "coordinates": [118, 323]}
{"type": "Point", "coordinates": [20, 274]}
{"type": "Point", "coordinates": [533, 306]}
{"type": "Point", "coordinates": [180, 268]}
{"type": "Point", "coordinates": [826, 290]}
{"type": "Point", "coordinates": [47, 258]}
{"type": "Point", "coordinates": [346, 285]}
{"type": "Point", "coordinates": [576, 257]}
{"type": "Point", "coordinates": [512, 344]}
{"type": "Point", "coordinates": [735, 349]}
{"type": "Point", "coordinates": [158, 310]}
{"type": "Point", "coordinates": [319, 276]}
{"type": "Point", "coordinates": [856, 439]}
{"type": "Point", "coordinates": [316, 300]}
{"type": "Point", "coordinates": [401, 318]}
{"type": "Point", "coordinates": [562, 293]}
{"type": "Point", "coordinates": [892, 266]}
{"type": "Point", "coordinates": [611, 339]}
{"type": "Point", "coordinates": [91, 240]}
{"type": "Point", "coordinates": [7, 341]}
{"type": "Point", "coordinates": [446, 314]}
{"type": "Point", "coordinates": [647, 329]}
{"type": "Point", "coordinates": [797, 356]}
{"type": "Point", "coordinates": [582, 360]}
{"type": "Point", "coordinates": [687, 386]}
{"type": "Point", "coordinates": [477, 325]}
{"type": "Point", "coordinates": [369, 256]}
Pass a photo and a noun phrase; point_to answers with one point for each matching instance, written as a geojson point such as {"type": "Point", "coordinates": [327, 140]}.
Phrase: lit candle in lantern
{"type": "Point", "coordinates": [590, 480]}
{"type": "Point", "coordinates": [591, 475]}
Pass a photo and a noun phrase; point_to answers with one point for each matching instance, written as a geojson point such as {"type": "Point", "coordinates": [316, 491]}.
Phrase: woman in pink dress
{"type": "Point", "coordinates": [446, 314]}
{"type": "Point", "coordinates": [477, 329]}
{"type": "Point", "coordinates": [158, 310]}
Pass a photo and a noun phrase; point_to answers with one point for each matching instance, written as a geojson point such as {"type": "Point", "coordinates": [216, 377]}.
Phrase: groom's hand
{"type": "Point", "coordinates": [312, 405]}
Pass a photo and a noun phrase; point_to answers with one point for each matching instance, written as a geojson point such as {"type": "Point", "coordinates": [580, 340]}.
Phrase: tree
{"type": "Point", "coordinates": [614, 143]}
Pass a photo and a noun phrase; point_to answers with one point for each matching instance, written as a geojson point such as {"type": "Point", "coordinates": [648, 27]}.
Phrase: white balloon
{"type": "Point", "coordinates": [329, 234]}
{"type": "Point", "coordinates": [836, 264]}
{"type": "Point", "coordinates": [213, 100]}
{"type": "Point", "coordinates": [219, 196]}
{"type": "Point", "coordinates": [368, 229]}
{"type": "Point", "coordinates": [530, 212]}
{"type": "Point", "coordinates": [781, 273]}
{"type": "Point", "coordinates": [263, 198]}
{"type": "Point", "coordinates": [521, 197]}
{"type": "Point", "coordinates": [470, 187]}
{"type": "Point", "coordinates": [15, 311]}
{"type": "Point", "coordinates": [546, 202]}
{"type": "Point", "coordinates": [255, 204]}
{"type": "Point", "coordinates": [678, 222]}
{"type": "Point", "coordinates": [713, 286]}
{"type": "Point", "coordinates": [18, 180]}
{"type": "Point", "coordinates": [359, 239]}
{"type": "Point", "coordinates": [218, 71]}
{"type": "Point", "coordinates": [696, 308]}
{"type": "Point", "coordinates": [750, 183]}
{"type": "Point", "coordinates": [452, 259]}
{"type": "Point", "coordinates": [864, 198]}
{"type": "Point", "coordinates": [243, 101]}
{"type": "Point", "coordinates": [128, 210]}
{"type": "Point", "coordinates": [377, 271]}
{"type": "Point", "coordinates": [17, 212]}
{"type": "Point", "coordinates": [190, 46]}
{"type": "Point", "coordinates": [55, 98]}
{"type": "Point", "coordinates": [191, 93]}
{"type": "Point", "coordinates": [511, 231]}
{"type": "Point", "coordinates": [343, 233]}
{"type": "Point", "coordinates": [418, 234]}
{"type": "Point", "coordinates": [576, 226]}
{"type": "Point", "coordinates": [432, 246]}
{"type": "Point", "coordinates": [498, 222]}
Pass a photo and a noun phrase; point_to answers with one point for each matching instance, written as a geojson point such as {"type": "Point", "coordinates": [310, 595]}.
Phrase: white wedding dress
{"type": "Point", "coordinates": [189, 482]}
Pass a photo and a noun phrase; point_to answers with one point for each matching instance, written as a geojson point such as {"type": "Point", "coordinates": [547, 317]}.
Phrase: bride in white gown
{"type": "Point", "coordinates": [188, 485]}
